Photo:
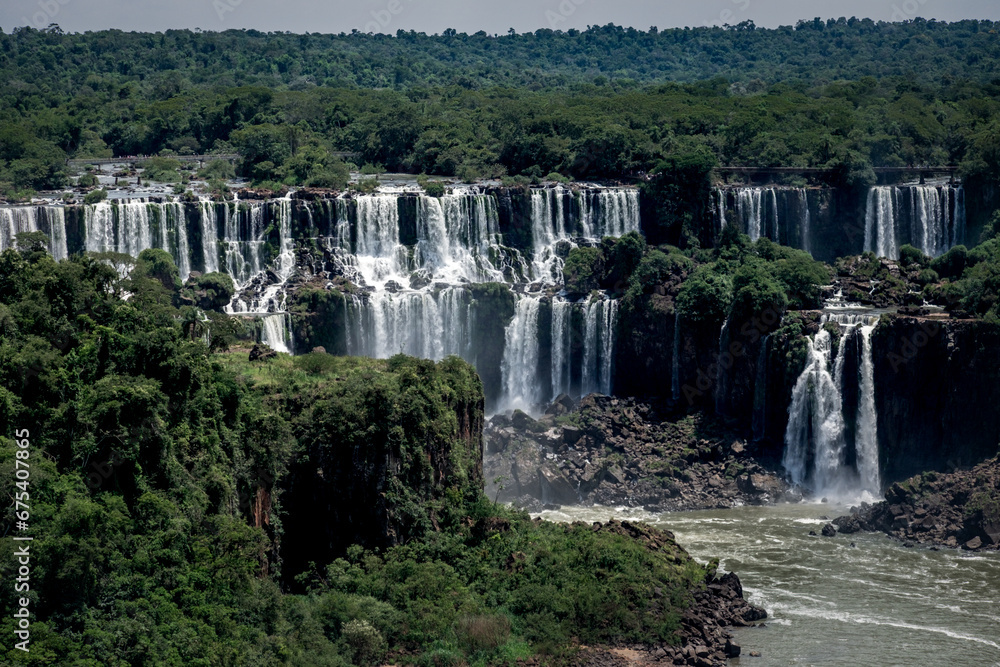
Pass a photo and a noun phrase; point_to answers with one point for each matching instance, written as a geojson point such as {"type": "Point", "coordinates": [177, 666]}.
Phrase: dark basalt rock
{"type": "Point", "coordinates": [262, 353]}
{"type": "Point", "coordinates": [951, 510]}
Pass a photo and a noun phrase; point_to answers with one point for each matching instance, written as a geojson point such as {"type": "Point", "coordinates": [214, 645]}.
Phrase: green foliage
{"type": "Point", "coordinates": [951, 264]}
{"type": "Point", "coordinates": [95, 197]}
{"type": "Point", "coordinates": [159, 265]}
{"type": "Point", "coordinates": [623, 257]}
{"type": "Point", "coordinates": [704, 299]}
{"type": "Point", "coordinates": [655, 268]}
{"type": "Point", "coordinates": [431, 188]}
{"type": "Point", "coordinates": [583, 269]}
{"type": "Point", "coordinates": [161, 169]}
{"type": "Point", "coordinates": [217, 170]}
{"type": "Point", "coordinates": [215, 290]}
{"type": "Point", "coordinates": [87, 180]}
{"type": "Point", "coordinates": [909, 256]}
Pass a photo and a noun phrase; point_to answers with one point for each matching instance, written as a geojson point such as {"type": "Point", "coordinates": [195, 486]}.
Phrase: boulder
{"type": "Point", "coordinates": [829, 530]}
{"type": "Point", "coordinates": [973, 544]}
{"type": "Point", "coordinates": [572, 435]}
{"type": "Point", "coordinates": [560, 489]}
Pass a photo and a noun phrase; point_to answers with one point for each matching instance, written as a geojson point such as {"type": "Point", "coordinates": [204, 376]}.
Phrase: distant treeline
{"type": "Point", "coordinates": [845, 95]}
{"type": "Point", "coordinates": [814, 51]}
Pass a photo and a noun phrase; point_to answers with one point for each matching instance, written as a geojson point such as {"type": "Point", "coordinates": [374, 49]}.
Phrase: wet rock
{"type": "Point", "coordinates": [262, 353]}
{"type": "Point", "coordinates": [829, 530]}
{"type": "Point", "coordinates": [572, 435]}
{"type": "Point", "coordinates": [732, 650]}
{"type": "Point", "coordinates": [973, 544]}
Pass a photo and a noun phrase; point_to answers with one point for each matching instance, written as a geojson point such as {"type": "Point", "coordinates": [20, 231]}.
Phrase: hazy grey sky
{"type": "Point", "coordinates": [434, 16]}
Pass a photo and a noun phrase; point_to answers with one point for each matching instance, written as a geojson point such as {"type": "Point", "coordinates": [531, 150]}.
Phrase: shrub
{"type": "Point", "coordinates": [218, 289]}
{"type": "Point", "coordinates": [95, 196]}
{"type": "Point", "coordinates": [953, 263]}
{"type": "Point", "coordinates": [584, 269]}
{"type": "Point", "coordinates": [366, 643]}
{"type": "Point", "coordinates": [556, 177]}
{"type": "Point", "coordinates": [704, 299]}
{"type": "Point", "coordinates": [87, 180]}
{"type": "Point", "coordinates": [911, 256]}
{"type": "Point", "coordinates": [482, 632]}
{"type": "Point", "coordinates": [316, 363]}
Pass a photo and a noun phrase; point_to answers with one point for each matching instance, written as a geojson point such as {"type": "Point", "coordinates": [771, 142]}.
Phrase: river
{"type": "Point", "coordinates": [830, 603]}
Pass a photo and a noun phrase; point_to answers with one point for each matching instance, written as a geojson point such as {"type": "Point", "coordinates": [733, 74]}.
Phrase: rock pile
{"type": "Point", "coordinates": [617, 451]}
{"type": "Point", "coordinates": [960, 509]}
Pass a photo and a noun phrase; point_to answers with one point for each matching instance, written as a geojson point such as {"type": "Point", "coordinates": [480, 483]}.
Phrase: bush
{"type": "Point", "coordinates": [95, 196]}
{"type": "Point", "coordinates": [162, 170]}
{"type": "Point", "coordinates": [431, 188]}
{"type": "Point", "coordinates": [218, 169]}
{"type": "Point", "coordinates": [316, 363]}
{"type": "Point", "coordinates": [911, 256]}
{"type": "Point", "coordinates": [159, 265]}
{"type": "Point", "coordinates": [217, 288]}
{"type": "Point", "coordinates": [87, 180]}
{"type": "Point", "coordinates": [953, 263]}
{"type": "Point", "coordinates": [583, 270]}
{"type": "Point", "coordinates": [557, 178]}
{"type": "Point", "coordinates": [704, 299]}
{"type": "Point", "coordinates": [366, 643]}
{"type": "Point", "coordinates": [927, 277]}
{"type": "Point", "coordinates": [655, 268]}
{"type": "Point", "coordinates": [623, 256]}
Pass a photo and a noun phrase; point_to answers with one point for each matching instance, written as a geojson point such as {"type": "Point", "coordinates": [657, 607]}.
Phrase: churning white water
{"type": "Point", "coordinates": [857, 599]}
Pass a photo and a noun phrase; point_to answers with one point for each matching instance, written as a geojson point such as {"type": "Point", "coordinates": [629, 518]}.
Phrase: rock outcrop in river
{"type": "Point", "coordinates": [960, 509]}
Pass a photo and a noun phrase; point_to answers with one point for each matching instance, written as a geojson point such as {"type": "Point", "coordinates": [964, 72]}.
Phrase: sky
{"type": "Point", "coordinates": [434, 16]}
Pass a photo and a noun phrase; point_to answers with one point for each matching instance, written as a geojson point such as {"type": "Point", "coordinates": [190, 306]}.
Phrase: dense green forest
{"type": "Point", "coordinates": [112, 93]}
{"type": "Point", "coordinates": [173, 493]}
{"type": "Point", "coordinates": [816, 51]}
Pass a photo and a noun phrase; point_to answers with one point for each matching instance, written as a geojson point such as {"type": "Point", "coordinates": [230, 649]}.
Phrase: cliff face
{"type": "Point", "coordinates": [380, 448]}
{"type": "Point", "coordinates": [937, 385]}
{"type": "Point", "coordinates": [937, 382]}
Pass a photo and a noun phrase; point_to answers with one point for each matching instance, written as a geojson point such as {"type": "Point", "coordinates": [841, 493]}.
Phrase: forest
{"type": "Point", "coordinates": [113, 94]}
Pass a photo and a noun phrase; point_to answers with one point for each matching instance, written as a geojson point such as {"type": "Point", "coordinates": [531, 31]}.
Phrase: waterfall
{"type": "Point", "coordinates": [16, 220]}
{"type": "Point", "coordinates": [276, 332]}
{"type": "Point", "coordinates": [815, 431]}
{"type": "Point", "coordinates": [880, 222]}
{"type": "Point", "coordinates": [935, 215]}
{"type": "Point", "coordinates": [721, 366]}
{"type": "Point", "coordinates": [209, 235]}
{"type": "Point", "coordinates": [760, 212]}
{"type": "Point", "coordinates": [605, 212]}
{"type": "Point", "coordinates": [561, 347]}
{"type": "Point", "coordinates": [867, 425]}
{"type": "Point", "coordinates": [600, 317]}
{"type": "Point", "coordinates": [520, 362]}
{"type": "Point", "coordinates": [424, 324]}
{"type": "Point", "coordinates": [455, 233]}
{"type": "Point", "coordinates": [749, 206]}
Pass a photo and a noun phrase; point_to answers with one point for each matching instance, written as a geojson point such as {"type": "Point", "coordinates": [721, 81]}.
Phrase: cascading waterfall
{"type": "Point", "coordinates": [209, 235]}
{"type": "Point", "coordinates": [722, 368]}
{"type": "Point", "coordinates": [815, 440]}
{"type": "Point", "coordinates": [561, 347]}
{"type": "Point", "coordinates": [16, 220]}
{"type": "Point", "coordinates": [425, 297]}
{"type": "Point", "coordinates": [520, 363]}
{"type": "Point", "coordinates": [749, 209]}
{"type": "Point", "coordinates": [806, 233]}
{"type": "Point", "coordinates": [867, 425]}
{"type": "Point", "coordinates": [276, 332]}
{"type": "Point", "coordinates": [600, 318]}
{"type": "Point", "coordinates": [930, 217]}
{"type": "Point", "coordinates": [880, 222]}
{"type": "Point", "coordinates": [772, 212]}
